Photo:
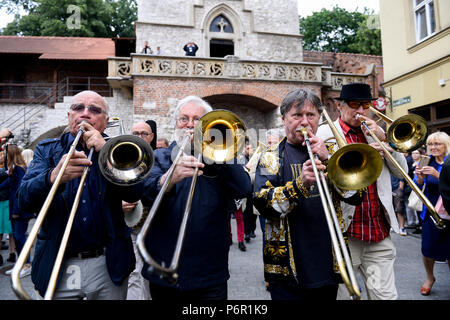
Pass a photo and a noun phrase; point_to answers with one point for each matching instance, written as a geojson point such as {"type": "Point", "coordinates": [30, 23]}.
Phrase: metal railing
{"type": "Point", "coordinates": [69, 86]}
{"type": "Point", "coordinates": [39, 96]}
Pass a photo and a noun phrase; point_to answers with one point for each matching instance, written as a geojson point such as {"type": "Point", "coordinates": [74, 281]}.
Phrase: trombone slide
{"type": "Point", "coordinates": [438, 222]}
{"type": "Point", "coordinates": [15, 275]}
{"type": "Point", "coordinates": [340, 248]}
{"type": "Point", "coordinates": [62, 249]}
{"type": "Point", "coordinates": [170, 272]}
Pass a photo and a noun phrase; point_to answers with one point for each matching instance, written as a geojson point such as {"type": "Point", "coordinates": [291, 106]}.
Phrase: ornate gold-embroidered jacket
{"type": "Point", "coordinates": [274, 200]}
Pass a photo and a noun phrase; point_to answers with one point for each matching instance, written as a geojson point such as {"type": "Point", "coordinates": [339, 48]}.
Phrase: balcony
{"type": "Point", "coordinates": [122, 70]}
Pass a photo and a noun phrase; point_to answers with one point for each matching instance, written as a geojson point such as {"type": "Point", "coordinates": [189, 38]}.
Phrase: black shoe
{"type": "Point", "coordinates": [5, 247]}
{"type": "Point", "coordinates": [242, 246]}
{"type": "Point", "coordinates": [252, 234]}
{"type": "Point", "coordinates": [247, 238]}
{"type": "Point", "coordinates": [12, 257]}
{"type": "Point", "coordinates": [1, 260]}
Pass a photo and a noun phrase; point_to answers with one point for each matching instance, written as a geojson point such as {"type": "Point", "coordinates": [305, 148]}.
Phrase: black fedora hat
{"type": "Point", "coordinates": [356, 92]}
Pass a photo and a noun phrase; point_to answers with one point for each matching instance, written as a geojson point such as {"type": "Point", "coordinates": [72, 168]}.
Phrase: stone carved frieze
{"type": "Point", "coordinates": [229, 68]}
{"type": "Point", "coordinates": [124, 69]}
{"type": "Point", "coordinates": [217, 69]}
{"type": "Point", "coordinates": [199, 69]}
{"type": "Point", "coordinates": [147, 66]}
{"type": "Point", "coordinates": [337, 81]}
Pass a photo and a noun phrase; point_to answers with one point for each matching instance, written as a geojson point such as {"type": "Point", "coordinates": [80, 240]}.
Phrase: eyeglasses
{"type": "Point", "coordinates": [185, 120]}
{"type": "Point", "coordinates": [357, 104]}
{"type": "Point", "coordinates": [92, 109]}
{"type": "Point", "coordinates": [142, 133]}
{"type": "Point", "coordinates": [435, 144]}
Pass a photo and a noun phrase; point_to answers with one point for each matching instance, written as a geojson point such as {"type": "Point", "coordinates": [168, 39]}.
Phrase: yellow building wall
{"type": "Point", "coordinates": [422, 87]}
{"type": "Point", "coordinates": [410, 68]}
{"type": "Point", "coordinates": [401, 53]}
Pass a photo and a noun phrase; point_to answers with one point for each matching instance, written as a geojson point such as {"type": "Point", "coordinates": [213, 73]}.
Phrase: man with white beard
{"type": "Point", "coordinates": [203, 266]}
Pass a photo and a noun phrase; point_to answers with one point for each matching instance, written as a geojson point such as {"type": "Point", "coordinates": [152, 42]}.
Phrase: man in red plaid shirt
{"type": "Point", "coordinates": [368, 224]}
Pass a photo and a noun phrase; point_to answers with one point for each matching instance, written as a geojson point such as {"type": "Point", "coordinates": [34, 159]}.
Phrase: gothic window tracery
{"type": "Point", "coordinates": [221, 24]}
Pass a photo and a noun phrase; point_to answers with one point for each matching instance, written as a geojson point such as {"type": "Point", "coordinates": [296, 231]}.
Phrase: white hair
{"type": "Point", "coordinates": [199, 101]}
{"type": "Point", "coordinates": [27, 155]}
{"type": "Point", "coordinates": [275, 132]}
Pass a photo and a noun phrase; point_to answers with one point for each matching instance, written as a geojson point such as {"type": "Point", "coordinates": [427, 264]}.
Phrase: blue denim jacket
{"type": "Point", "coordinates": [12, 184]}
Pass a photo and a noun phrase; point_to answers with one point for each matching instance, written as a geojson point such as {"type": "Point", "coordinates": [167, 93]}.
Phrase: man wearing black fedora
{"type": "Point", "coordinates": [368, 225]}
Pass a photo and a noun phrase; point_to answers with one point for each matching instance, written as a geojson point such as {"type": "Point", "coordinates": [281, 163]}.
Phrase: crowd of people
{"type": "Point", "coordinates": [275, 184]}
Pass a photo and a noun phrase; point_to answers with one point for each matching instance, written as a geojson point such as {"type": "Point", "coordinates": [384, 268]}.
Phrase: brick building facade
{"type": "Point", "coordinates": [248, 60]}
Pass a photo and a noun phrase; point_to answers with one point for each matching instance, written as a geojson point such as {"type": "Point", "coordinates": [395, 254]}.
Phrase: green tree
{"type": "Point", "coordinates": [123, 17]}
{"type": "Point", "coordinates": [368, 37]}
{"type": "Point", "coordinates": [14, 6]}
{"type": "Point", "coordinates": [338, 30]}
{"type": "Point", "coordinates": [76, 18]}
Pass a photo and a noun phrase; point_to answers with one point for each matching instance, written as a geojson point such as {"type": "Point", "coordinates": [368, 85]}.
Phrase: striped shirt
{"type": "Point", "coordinates": [368, 223]}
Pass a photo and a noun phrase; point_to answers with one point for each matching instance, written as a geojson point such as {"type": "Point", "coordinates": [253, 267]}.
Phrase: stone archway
{"type": "Point", "coordinates": [52, 133]}
{"type": "Point", "coordinates": [258, 115]}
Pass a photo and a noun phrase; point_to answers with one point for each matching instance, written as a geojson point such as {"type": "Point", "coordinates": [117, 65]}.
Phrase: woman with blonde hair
{"type": "Point", "coordinates": [435, 242]}
{"type": "Point", "coordinates": [16, 167]}
{"type": "Point", "coordinates": [27, 155]}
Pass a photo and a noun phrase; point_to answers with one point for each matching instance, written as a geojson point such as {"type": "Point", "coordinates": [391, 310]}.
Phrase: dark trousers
{"type": "Point", "coordinates": [292, 291]}
{"type": "Point", "coordinates": [249, 219]}
{"type": "Point", "coordinates": [217, 293]}
{"type": "Point", "coordinates": [19, 227]}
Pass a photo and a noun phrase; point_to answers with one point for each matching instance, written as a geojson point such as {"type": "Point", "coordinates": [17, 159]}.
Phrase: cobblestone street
{"type": "Point", "coordinates": [247, 279]}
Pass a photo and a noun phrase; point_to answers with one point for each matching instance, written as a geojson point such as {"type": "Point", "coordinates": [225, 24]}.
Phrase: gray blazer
{"type": "Point", "coordinates": [384, 187]}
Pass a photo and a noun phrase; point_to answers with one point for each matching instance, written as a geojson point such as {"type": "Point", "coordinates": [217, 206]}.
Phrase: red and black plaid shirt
{"type": "Point", "coordinates": [368, 221]}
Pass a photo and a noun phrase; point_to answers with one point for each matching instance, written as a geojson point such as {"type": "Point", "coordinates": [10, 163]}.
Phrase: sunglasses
{"type": "Point", "coordinates": [142, 133]}
{"type": "Point", "coordinates": [357, 104]}
{"type": "Point", "coordinates": [92, 109]}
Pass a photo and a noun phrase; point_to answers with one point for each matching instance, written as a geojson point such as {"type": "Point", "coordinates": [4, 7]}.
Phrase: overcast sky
{"type": "Point", "coordinates": [305, 7]}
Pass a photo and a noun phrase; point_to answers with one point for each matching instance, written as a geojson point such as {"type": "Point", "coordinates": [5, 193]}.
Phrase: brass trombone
{"type": "Point", "coordinates": [405, 134]}
{"type": "Point", "coordinates": [211, 141]}
{"type": "Point", "coordinates": [348, 169]}
{"type": "Point", "coordinates": [121, 160]}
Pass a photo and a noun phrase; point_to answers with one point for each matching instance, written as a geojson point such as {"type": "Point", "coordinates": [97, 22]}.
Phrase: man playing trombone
{"type": "Point", "coordinates": [202, 271]}
{"type": "Point", "coordinates": [99, 254]}
{"type": "Point", "coordinates": [298, 258]}
{"type": "Point", "coordinates": [137, 285]}
{"type": "Point", "coordinates": [368, 224]}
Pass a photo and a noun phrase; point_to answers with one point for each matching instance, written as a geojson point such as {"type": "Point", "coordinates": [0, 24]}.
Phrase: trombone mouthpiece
{"type": "Point", "coordinates": [302, 130]}
{"type": "Point", "coordinates": [82, 125]}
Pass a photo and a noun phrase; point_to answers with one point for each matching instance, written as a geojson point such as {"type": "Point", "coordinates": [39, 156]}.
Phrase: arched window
{"type": "Point", "coordinates": [221, 24]}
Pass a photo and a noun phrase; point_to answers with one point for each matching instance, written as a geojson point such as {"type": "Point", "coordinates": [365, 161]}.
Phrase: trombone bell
{"type": "Point", "coordinates": [219, 136]}
{"type": "Point", "coordinates": [126, 160]}
{"type": "Point", "coordinates": [407, 133]}
{"type": "Point", "coordinates": [354, 166]}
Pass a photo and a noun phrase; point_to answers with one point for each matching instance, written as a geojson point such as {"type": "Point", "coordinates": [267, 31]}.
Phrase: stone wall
{"type": "Point", "coordinates": [256, 102]}
{"type": "Point", "coordinates": [263, 30]}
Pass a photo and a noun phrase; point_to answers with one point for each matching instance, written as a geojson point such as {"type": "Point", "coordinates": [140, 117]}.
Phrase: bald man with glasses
{"type": "Point", "coordinates": [99, 255]}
